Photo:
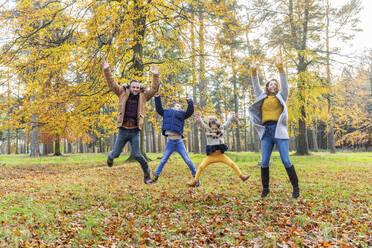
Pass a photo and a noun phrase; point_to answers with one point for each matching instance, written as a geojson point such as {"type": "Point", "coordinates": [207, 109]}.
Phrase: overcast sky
{"type": "Point", "coordinates": [364, 38]}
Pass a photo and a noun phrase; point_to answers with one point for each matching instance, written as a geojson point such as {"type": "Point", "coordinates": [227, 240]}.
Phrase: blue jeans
{"type": "Point", "coordinates": [267, 145]}
{"type": "Point", "coordinates": [133, 136]}
{"type": "Point", "coordinates": [170, 147]}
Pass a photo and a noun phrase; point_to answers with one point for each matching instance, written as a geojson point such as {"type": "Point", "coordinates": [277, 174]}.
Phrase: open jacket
{"type": "Point", "coordinates": [174, 120]}
{"type": "Point", "coordinates": [122, 91]}
{"type": "Point", "coordinates": [255, 112]}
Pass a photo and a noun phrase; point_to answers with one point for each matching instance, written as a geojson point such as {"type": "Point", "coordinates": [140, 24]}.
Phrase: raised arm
{"type": "Point", "coordinates": [256, 86]}
{"type": "Point", "coordinates": [190, 108]}
{"type": "Point", "coordinates": [158, 106]}
{"type": "Point", "coordinates": [117, 89]}
{"type": "Point", "coordinates": [155, 83]}
{"type": "Point", "coordinates": [283, 79]}
{"type": "Point", "coordinates": [200, 122]}
{"type": "Point", "coordinates": [230, 120]}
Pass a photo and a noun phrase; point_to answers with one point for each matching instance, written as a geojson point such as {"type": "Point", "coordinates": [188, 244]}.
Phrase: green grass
{"type": "Point", "coordinates": [77, 201]}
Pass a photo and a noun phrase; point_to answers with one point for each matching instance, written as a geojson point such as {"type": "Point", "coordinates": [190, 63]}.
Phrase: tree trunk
{"type": "Point", "coordinates": [202, 79]}
{"type": "Point", "coordinates": [195, 132]}
{"type": "Point", "coordinates": [64, 146]}
{"type": "Point", "coordinates": [228, 138]}
{"type": "Point", "coordinates": [147, 141]}
{"type": "Point", "coordinates": [153, 138]}
{"type": "Point", "coordinates": [8, 141]}
{"type": "Point", "coordinates": [302, 145]}
{"type": "Point", "coordinates": [57, 147]}
{"type": "Point", "coordinates": [81, 147]}
{"type": "Point", "coordinates": [236, 102]}
{"type": "Point", "coordinates": [45, 149]}
{"type": "Point", "coordinates": [315, 142]}
{"type": "Point", "coordinates": [189, 142]}
{"type": "Point", "coordinates": [331, 139]}
{"type": "Point", "coordinates": [256, 141]}
{"type": "Point", "coordinates": [233, 141]}
{"type": "Point", "coordinates": [112, 141]}
{"type": "Point", "coordinates": [299, 43]}
{"type": "Point", "coordinates": [159, 143]}
{"type": "Point", "coordinates": [16, 142]}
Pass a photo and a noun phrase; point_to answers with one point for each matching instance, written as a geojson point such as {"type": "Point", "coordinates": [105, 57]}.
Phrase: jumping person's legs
{"type": "Point", "coordinates": [170, 147]}
{"type": "Point", "coordinates": [181, 149]}
{"type": "Point", "coordinates": [225, 159]}
{"type": "Point", "coordinates": [283, 148]}
{"type": "Point", "coordinates": [121, 139]}
{"type": "Point", "coordinates": [267, 145]}
{"type": "Point", "coordinates": [208, 160]}
{"type": "Point", "coordinates": [135, 144]}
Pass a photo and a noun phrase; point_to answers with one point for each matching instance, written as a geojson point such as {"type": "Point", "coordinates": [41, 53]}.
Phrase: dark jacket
{"type": "Point", "coordinates": [174, 120]}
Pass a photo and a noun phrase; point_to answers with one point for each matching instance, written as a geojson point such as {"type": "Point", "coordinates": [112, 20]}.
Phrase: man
{"type": "Point", "coordinates": [131, 112]}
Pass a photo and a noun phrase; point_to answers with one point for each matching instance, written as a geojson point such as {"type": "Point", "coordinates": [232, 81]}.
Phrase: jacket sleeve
{"type": "Point", "coordinates": [158, 106]}
{"type": "Point", "coordinates": [256, 86]}
{"type": "Point", "coordinates": [154, 87]}
{"type": "Point", "coordinates": [202, 124]}
{"type": "Point", "coordinates": [190, 108]}
{"type": "Point", "coordinates": [230, 120]}
{"type": "Point", "coordinates": [284, 86]}
{"type": "Point", "coordinates": [117, 89]}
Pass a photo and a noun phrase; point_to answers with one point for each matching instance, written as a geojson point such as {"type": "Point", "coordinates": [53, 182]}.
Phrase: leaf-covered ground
{"type": "Point", "coordinates": [76, 201]}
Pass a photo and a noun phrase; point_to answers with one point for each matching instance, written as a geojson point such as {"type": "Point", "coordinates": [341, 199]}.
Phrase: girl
{"type": "Point", "coordinates": [216, 146]}
{"type": "Point", "coordinates": [269, 116]}
{"type": "Point", "coordinates": [173, 124]}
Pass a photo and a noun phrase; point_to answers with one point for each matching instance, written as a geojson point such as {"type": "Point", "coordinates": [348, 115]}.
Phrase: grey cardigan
{"type": "Point", "coordinates": [255, 113]}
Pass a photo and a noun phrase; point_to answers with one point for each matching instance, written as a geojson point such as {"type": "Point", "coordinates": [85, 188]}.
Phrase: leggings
{"type": "Point", "coordinates": [215, 158]}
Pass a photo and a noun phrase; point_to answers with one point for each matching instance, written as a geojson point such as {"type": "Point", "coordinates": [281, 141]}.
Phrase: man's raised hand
{"type": "Point", "coordinates": [155, 70]}
{"type": "Point", "coordinates": [105, 64]}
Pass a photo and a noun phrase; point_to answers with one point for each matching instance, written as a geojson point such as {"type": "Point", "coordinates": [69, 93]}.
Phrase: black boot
{"type": "Point", "coordinates": [110, 162]}
{"type": "Point", "coordinates": [147, 178]}
{"type": "Point", "coordinates": [294, 181]}
{"type": "Point", "coordinates": [265, 177]}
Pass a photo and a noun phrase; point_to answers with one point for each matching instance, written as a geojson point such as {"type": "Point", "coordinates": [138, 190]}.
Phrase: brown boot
{"type": "Point", "coordinates": [194, 183]}
{"type": "Point", "coordinates": [244, 177]}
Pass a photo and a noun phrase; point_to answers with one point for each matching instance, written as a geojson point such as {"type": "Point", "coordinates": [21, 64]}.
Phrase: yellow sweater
{"type": "Point", "coordinates": [271, 109]}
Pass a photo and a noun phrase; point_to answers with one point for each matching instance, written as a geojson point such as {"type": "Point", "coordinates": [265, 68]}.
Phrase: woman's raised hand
{"type": "Point", "coordinates": [279, 64]}
{"type": "Point", "coordinates": [196, 115]}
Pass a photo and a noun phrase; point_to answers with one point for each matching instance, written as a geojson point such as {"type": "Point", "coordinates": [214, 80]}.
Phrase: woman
{"type": "Point", "coordinates": [269, 116]}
